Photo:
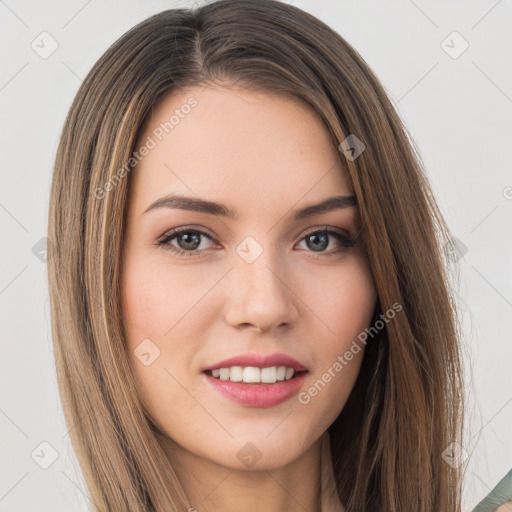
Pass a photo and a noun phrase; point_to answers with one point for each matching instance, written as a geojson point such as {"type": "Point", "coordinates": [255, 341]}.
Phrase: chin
{"type": "Point", "coordinates": [261, 451]}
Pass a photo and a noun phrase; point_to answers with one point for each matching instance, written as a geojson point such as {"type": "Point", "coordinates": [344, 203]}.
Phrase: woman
{"type": "Point", "coordinates": [249, 300]}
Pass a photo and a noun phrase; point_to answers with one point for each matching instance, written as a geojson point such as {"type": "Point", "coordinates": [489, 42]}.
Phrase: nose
{"type": "Point", "coordinates": [261, 295]}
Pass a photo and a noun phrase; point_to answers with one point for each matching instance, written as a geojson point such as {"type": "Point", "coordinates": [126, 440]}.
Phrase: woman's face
{"type": "Point", "coordinates": [267, 280]}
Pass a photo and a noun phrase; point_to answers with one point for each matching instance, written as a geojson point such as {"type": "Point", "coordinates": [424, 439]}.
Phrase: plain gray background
{"type": "Point", "coordinates": [457, 107]}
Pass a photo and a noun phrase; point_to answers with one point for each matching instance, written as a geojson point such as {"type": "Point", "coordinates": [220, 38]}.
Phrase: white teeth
{"type": "Point", "coordinates": [269, 375]}
{"type": "Point", "coordinates": [281, 373]}
{"type": "Point", "coordinates": [251, 374]}
{"type": "Point", "coordinates": [236, 374]}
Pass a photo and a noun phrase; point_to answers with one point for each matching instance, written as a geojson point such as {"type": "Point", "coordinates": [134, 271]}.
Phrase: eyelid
{"type": "Point", "coordinates": [347, 242]}
{"type": "Point", "coordinates": [207, 233]}
{"type": "Point", "coordinates": [161, 240]}
{"type": "Point", "coordinates": [315, 229]}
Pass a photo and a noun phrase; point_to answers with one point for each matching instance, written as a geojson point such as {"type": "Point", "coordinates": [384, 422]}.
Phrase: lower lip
{"type": "Point", "coordinates": [257, 395]}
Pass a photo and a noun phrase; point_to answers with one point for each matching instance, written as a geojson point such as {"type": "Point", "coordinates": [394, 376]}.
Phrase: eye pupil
{"type": "Point", "coordinates": [322, 239]}
{"type": "Point", "coordinates": [189, 238]}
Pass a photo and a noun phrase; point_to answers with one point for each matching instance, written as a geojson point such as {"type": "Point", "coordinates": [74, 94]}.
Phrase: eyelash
{"type": "Point", "coordinates": [345, 241]}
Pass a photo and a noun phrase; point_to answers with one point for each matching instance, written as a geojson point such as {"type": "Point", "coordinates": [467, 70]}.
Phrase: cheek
{"type": "Point", "coordinates": [157, 298]}
{"type": "Point", "coordinates": [165, 317]}
{"type": "Point", "coordinates": [343, 299]}
{"type": "Point", "coordinates": [342, 308]}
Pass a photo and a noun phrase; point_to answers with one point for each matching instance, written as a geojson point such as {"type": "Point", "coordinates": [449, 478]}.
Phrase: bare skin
{"type": "Point", "coordinates": [264, 156]}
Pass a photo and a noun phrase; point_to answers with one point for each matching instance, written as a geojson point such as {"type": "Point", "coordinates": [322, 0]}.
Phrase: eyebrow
{"type": "Point", "coordinates": [200, 205]}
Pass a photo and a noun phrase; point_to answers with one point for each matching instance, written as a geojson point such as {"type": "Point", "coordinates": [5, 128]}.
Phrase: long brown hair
{"type": "Point", "coordinates": [406, 407]}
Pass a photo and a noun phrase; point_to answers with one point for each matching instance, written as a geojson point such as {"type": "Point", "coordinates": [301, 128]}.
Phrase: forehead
{"type": "Point", "coordinates": [244, 148]}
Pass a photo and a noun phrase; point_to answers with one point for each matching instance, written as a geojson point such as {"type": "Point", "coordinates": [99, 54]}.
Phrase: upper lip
{"type": "Point", "coordinates": [259, 361]}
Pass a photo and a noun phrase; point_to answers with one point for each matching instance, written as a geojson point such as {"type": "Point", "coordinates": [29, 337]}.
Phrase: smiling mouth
{"type": "Point", "coordinates": [253, 375]}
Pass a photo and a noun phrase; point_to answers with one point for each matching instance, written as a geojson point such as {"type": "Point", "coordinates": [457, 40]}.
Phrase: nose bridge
{"type": "Point", "coordinates": [261, 295]}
